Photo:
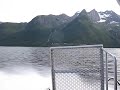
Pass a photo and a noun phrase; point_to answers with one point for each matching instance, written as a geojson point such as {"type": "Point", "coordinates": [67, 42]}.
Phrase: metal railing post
{"type": "Point", "coordinates": [102, 70]}
{"type": "Point", "coordinates": [115, 70]}
{"type": "Point", "coordinates": [115, 73]}
{"type": "Point", "coordinates": [52, 70]}
{"type": "Point", "coordinates": [106, 70]}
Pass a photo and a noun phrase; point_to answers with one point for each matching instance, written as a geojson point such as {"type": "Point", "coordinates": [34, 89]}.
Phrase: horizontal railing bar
{"type": "Point", "coordinates": [74, 71]}
{"type": "Point", "coordinates": [81, 46]}
{"type": "Point", "coordinates": [109, 53]}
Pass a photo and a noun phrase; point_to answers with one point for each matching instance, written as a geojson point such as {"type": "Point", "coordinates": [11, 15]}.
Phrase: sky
{"type": "Point", "coordinates": [25, 10]}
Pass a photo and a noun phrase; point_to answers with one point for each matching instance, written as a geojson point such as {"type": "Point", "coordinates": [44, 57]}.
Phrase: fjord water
{"type": "Point", "coordinates": [24, 68]}
{"type": "Point", "coordinates": [28, 68]}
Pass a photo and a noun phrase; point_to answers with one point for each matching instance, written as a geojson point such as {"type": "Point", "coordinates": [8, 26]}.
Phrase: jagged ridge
{"type": "Point", "coordinates": [82, 28]}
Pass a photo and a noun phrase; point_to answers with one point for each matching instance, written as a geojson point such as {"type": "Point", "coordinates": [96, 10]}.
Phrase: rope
{"type": "Point", "coordinates": [113, 79]}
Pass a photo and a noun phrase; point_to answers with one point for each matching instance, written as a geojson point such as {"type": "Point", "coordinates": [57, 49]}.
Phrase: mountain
{"type": "Point", "coordinates": [47, 30]}
{"type": "Point", "coordinates": [7, 29]}
{"type": "Point", "coordinates": [37, 31]}
{"type": "Point", "coordinates": [50, 21]}
{"type": "Point", "coordinates": [94, 15]}
{"type": "Point", "coordinates": [107, 20]}
{"type": "Point", "coordinates": [82, 31]}
{"type": "Point", "coordinates": [108, 17]}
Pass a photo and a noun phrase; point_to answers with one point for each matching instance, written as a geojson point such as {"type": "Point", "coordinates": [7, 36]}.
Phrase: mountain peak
{"type": "Point", "coordinates": [63, 14]}
{"type": "Point", "coordinates": [109, 11]}
{"type": "Point", "coordinates": [49, 21]}
{"type": "Point", "coordinates": [83, 12]}
{"type": "Point", "coordinates": [93, 10]}
{"type": "Point", "coordinates": [109, 16]}
{"type": "Point", "coordinates": [93, 15]}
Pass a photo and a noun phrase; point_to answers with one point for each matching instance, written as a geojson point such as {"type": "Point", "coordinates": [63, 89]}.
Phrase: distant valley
{"type": "Point", "coordinates": [83, 28]}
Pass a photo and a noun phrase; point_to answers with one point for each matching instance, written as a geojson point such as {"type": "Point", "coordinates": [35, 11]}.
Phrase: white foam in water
{"type": "Point", "coordinates": [109, 88]}
{"type": "Point", "coordinates": [30, 80]}
{"type": "Point", "coordinates": [27, 79]}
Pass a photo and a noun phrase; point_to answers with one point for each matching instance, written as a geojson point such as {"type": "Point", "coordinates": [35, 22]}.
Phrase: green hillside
{"type": "Point", "coordinates": [82, 31]}
{"type": "Point", "coordinates": [7, 29]}
{"type": "Point", "coordinates": [58, 30]}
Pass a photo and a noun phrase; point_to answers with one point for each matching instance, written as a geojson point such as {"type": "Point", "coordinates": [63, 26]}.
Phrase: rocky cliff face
{"type": "Point", "coordinates": [53, 21]}
{"type": "Point", "coordinates": [94, 16]}
{"type": "Point", "coordinates": [109, 17]}
{"type": "Point", "coordinates": [50, 21]}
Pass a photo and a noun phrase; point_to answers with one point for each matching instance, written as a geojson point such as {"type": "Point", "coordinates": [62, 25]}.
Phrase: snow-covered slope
{"type": "Point", "coordinates": [108, 17]}
{"type": "Point", "coordinates": [103, 17]}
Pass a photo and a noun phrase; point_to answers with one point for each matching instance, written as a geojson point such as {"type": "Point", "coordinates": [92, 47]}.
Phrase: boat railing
{"type": "Point", "coordinates": [110, 67]}
{"type": "Point", "coordinates": [87, 67]}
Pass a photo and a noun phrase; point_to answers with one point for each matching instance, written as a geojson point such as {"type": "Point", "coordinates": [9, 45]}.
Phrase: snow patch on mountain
{"type": "Point", "coordinates": [103, 16]}
{"type": "Point", "coordinates": [102, 20]}
{"type": "Point", "coordinates": [114, 22]}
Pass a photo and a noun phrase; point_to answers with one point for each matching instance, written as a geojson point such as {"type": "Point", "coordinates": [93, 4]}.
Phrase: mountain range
{"type": "Point", "coordinates": [55, 30]}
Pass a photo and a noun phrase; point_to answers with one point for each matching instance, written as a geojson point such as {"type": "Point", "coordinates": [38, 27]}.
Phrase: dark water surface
{"type": "Point", "coordinates": [28, 68]}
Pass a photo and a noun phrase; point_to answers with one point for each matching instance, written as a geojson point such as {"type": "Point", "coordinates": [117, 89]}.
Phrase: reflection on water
{"type": "Point", "coordinates": [28, 68]}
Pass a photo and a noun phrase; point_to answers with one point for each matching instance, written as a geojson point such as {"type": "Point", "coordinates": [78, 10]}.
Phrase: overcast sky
{"type": "Point", "coordinates": [25, 10]}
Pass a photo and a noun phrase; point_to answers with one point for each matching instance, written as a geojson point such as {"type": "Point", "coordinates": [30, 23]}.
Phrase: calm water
{"type": "Point", "coordinates": [28, 68]}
